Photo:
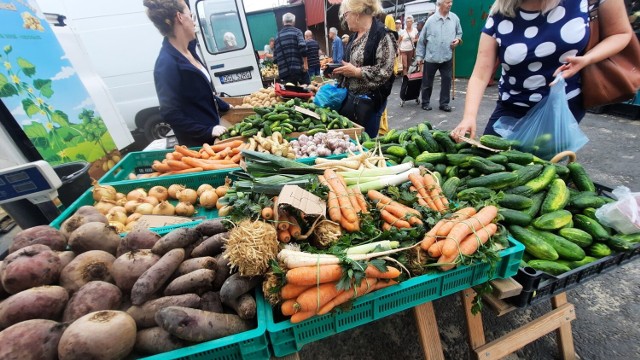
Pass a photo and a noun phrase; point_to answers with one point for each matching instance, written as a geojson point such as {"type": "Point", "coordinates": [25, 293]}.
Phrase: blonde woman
{"type": "Point", "coordinates": [406, 38]}
{"type": "Point", "coordinates": [534, 40]}
{"type": "Point", "coordinates": [367, 70]}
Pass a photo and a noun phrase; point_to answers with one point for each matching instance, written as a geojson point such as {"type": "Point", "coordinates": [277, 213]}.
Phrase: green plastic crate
{"type": "Point", "coordinates": [287, 338]}
{"type": "Point", "coordinates": [193, 180]}
{"type": "Point", "coordinates": [139, 162]}
{"type": "Point", "coordinates": [249, 345]}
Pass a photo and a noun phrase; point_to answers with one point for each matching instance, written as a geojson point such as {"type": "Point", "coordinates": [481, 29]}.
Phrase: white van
{"type": "Point", "coordinates": [122, 45]}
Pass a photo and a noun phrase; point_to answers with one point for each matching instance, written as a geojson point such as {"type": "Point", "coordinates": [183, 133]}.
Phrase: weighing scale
{"type": "Point", "coordinates": [36, 182]}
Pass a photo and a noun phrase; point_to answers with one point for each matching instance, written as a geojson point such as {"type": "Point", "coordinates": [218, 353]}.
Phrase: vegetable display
{"type": "Point", "coordinates": [322, 144]}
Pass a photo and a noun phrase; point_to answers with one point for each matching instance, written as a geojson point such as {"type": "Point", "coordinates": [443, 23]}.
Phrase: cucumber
{"type": "Point", "coordinates": [543, 180]}
{"type": "Point", "coordinates": [485, 166]}
{"type": "Point", "coordinates": [495, 142]}
{"type": "Point", "coordinates": [557, 197]}
{"type": "Point", "coordinates": [591, 226]}
{"type": "Point", "coordinates": [441, 169]}
{"type": "Point", "coordinates": [562, 171]}
{"type": "Point", "coordinates": [452, 171]}
{"type": "Point", "coordinates": [565, 248]}
{"type": "Point", "coordinates": [533, 244]}
{"type": "Point", "coordinates": [412, 149]}
{"type": "Point", "coordinates": [553, 220]}
{"type": "Point", "coordinates": [498, 159]}
{"type": "Point", "coordinates": [475, 152]}
{"type": "Point", "coordinates": [590, 212]}
{"type": "Point", "coordinates": [528, 173]}
{"type": "Point", "coordinates": [580, 178]}
{"type": "Point", "coordinates": [521, 190]}
{"type": "Point", "coordinates": [461, 160]}
{"type": "Point", "coordinates": [513, 201]}
{"type": "Point", "coordinates": [619, 244]}
{"type": "Point", "coordinates": [444, 140]}
{"type": "Point", "coordinates": [475, 194]}
{"type": "Point", "coordinates": [433, 158]}
{"type": "Point", "coordinates": [587, 201]}
{"type": "Point", "coordinates": [513, 166]}
{"type": "Point", "coordinates": [537, 200]}
{"type": "Point", "coordinates": [368, 144]}
{"type": "Point", "coordinates": [397, 151]}
{"type": "Point", "coordinates": [576, 236]}
{"type": "Point", "coordinates": [631, 238]}
{"type": "Point", "coordinates": [450, 187]}
{"type": "Point", "coordinates": [514, 217]}
{"type": "Point", "coordinates": [518, 157]}
{"type": "Point", "coordinates": [495, 181]}
{"type": "Point", "coordinates": [432, 144]}
{"type": "Point", "coordinates": [583, 262]}
{"type": "Point", "coordinates": [550, 267]}
{"type": "Point", "coordinates": [420, 143]}
{"type": "Point", "coordinates": [599, 250]}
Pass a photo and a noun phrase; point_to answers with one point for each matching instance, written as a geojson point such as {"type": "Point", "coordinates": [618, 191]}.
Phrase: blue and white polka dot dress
{"type": "Point", "coordinates": [533, 45]}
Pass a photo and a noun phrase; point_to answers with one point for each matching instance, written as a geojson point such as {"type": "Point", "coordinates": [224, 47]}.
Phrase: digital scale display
{"type": "Point", "coordinates": [22, 182]}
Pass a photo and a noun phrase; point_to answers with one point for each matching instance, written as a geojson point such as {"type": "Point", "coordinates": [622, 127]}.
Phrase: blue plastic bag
{"type": "Point", "coordinates": [330, 96]}
{"type": "Point", "coordinates": [547, 129]}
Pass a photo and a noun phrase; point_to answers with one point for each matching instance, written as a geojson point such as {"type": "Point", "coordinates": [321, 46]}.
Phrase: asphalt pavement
{"type": "Point", "coordinates": [607, 307]}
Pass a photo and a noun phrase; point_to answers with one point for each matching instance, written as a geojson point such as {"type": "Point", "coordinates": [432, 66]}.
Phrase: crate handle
{"type": "Point", "coordinates": [568, 154]}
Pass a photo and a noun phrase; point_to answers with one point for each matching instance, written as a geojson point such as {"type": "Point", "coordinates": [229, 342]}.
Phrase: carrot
{"type": "Point", "coordinates": [352, 198]}
{"type": "Point", "coordinates": [386, 226]}
{"type": "Point", "coordinates": [469, 245]}
{"type": "Point", "coordinates": [283, 220]}
{"type": "Point", "coordinates": [291, 291]}
{"type": "Point", "coordinates": [399, 213]}
{"type": "Point", "coordinates": [301, 316]}
{"type": "Point", "coordinates": [435, 192]}
{"type": "Point", "coordinates": [267, 213]}
{"type": "Point", "coordinates": [458, 216]}
{"type": "Point", "coordinates": [376, 195]}
{"type": "Point", "coordinates": [287, 308]}
{"type": "Point", "coordinates": [236, 158]}
{"type": "Point", "coordinates": [207, 148]}
{"type": "Point", "coordinates": [373, 272]}
{"type": "Point", "coordinates": [235, 150]}
{"type": "Point", "coordinates": [383, 284]}
{"type": "Point", "coordinates": [361, 200]}
{"type": "Point", "coordinates": [394, 220]}
{"type": "Point", "coordinates": [430, 236]}
{"type": "Point", "coordinates": [231, 144]}
{"type": "Point", "coordinates": [294, 228]}
{"type": "Point", "coordinates": [347, 210]}
{"type": "Point", "coordinates": [185, 171]}
{"type": "Point", "coordinates": [176, 155]}
{"type": "Point", "coordinates": [332, 202]}
{"type": "Point", "coordinates": [312, 275]}
{"type": "Point", "coordinates": [349, 226]}
{"type": "Point", "coordinates": [316, 297]}
{"type": "Point", "coordinates": [160, 167]}
{"type": "Point", "coordinates": [186, 151]}
{"type": "Point", "coordinates": [169, 156]}
{"type": "Point", "coordinates": [420, 199]}
{"type": "Point", "coordinates": [483, 218]}
{"type": "Point", "coordinates": [435, 250]}
{"type": "Point", "coordinates": [284, 235]}
{"type": "Point", "coordinates": [418, 183]}
{"type": "Point", "coordinates": [178, 165]}
{"type": "Point", "coordinates": [204, 155]}
{"type": "Point", "coordinates": [218, 166]}
{"type": "Point", "coordinates": [365, 286]}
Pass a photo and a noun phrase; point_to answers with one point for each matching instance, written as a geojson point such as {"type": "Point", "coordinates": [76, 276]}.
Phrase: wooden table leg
{"type": "Point", "coordinates": [565, 337]}
{"type": "Point", "coordinates": [474, 322]}
{"type": "Point", "coordinates": [428, 331]}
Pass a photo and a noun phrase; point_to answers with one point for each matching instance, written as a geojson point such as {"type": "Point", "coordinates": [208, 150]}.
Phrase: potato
{"type": "Point", "coordinates": [210, 301]}
{"type": "Point", "coordinates": [156, 340]}
{"type": "Point", "coordinates": [237, 285]}
{"type": "Point", "coordinates": [211, 227]}
{"type": "Point", "coordinates": [31, 340]}
{"type": "Point", "coordinates": [211, 246]}
{"type": "Point", "coordinates": [92, 296]}
{"type": "Point", "coordinates": [43, 302]}
{"type": "Point", "coordinates": [128, 267]}
{"type": "Point", "coordinates": [198, 282]}
{"type": "Point", "coordinates": [33, 265]}
{"type": "Point", "coordinates": [222, 273]}
{"type": "Point", "coordinates": [244, 306]}
{"type": "Point", "coordinates": [136, 239]}
{"type": "Point", "coordinates": [41, 234]}
{"type": "Point", "coordinates": [89, 266]}
{"type": "Point", "coordinates": [65, 257]}
{"type": "Point", "coordinates": [197, 325]}
{"type": "Point", "coordinates": [156, 276]}
{"type": "Point", "coordinates": [94, 236]}
{"type": "Point", "coordinates": [100, 335]}
{"type": "Point", "coordinates": [178, 238]}
{"type": "Point", "coordinates": [144, 315]}
{"type": "Point", "coordinates": [206, 262]}
{"type": "Point", "coordinates": [83, 215]}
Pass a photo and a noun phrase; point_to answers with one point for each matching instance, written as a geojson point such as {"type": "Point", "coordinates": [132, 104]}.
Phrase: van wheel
{"type": "Point", "coordinates": [156, 128]}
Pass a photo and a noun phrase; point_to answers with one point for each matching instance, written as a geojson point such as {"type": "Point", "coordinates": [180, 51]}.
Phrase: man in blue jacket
{"type": "Point", "coordinates": [291, 52]}
{"type": "Point", "coordinates": [337, 48]}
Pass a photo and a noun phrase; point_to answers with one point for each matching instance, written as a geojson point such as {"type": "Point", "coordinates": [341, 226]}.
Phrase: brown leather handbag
{"type": "Point", "coordinates": [614, 79]}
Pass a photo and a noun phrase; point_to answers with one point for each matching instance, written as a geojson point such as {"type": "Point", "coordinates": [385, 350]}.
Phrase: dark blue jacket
{"type": "Point", "coordinates": [186, 96]}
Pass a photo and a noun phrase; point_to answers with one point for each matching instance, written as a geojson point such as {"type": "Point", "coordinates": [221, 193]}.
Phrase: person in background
{"type": "Point", "coordinates": [269, 49]}
{"type": "Point", "coordinates": [531, 56]}
{"type": "Point", "coordinates": [390, 24]}
{"type": "Point", "coordinates": [370, 53]}
{"type": "Point", "coordinates": [419, 26]}
{"type": "Point", "coordinates": [441, 34]}
{"type": "Point", "coordinates": [337, 49]}
{"type": "Point", "coordinates": [230, 42]}
{"type": "Point", "coordinates": [291, 52]}
{"type": "Point", "coordinates": [406, 38]}
{"type": "Point", "coordinates": [183, 85]}
{"type": "Point", "coordinates": [313, 54]}
{"type": "Point", "coordinates": [345, 41]}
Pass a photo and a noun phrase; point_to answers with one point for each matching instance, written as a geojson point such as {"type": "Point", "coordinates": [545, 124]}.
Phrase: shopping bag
{"type": "Point", "coordinates": [624, 214]}
{"type": "Point", "coordinates": [330, 96]}
{"type": "Point", "coordinates": [547, 129]}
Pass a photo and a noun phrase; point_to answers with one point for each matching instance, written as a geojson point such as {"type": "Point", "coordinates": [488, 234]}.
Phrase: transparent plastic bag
{"type": "Point", "coordinates": [547, 129]}
{"type": "Point", "coordinates": [330, 96]}
{"type": "Point", "coordinates": [624, 214]}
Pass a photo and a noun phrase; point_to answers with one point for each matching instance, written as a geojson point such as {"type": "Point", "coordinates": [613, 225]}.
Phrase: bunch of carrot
{"type": "Point", "coordinates": [210, 157]}
{"type": "Point", "coordinates": [429, 192]}
{"type": "Point", "coordinates": [460, 234]}
{"type": "Point", "coordinates": [313, 290]}
{"type": "Point", "coordinates": [393, 213]}
{"type": "Point", "coordinates": [343, 204]}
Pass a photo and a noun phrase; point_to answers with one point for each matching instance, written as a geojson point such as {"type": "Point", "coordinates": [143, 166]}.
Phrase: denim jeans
{"type": "Point", "coordinates": [373, 123]}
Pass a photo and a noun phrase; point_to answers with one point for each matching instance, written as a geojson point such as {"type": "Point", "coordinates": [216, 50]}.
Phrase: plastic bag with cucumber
{"type": "Point", "coordinates": [547, 129]}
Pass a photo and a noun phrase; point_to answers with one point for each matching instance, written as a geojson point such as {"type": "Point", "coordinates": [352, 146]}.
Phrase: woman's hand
{"type": "Point", "coordinates": [348, 70]}
{"type": "Point", "coordinates": [218, 130]}
{"type": "Point", "coordinates": [466, 126]}
{"type": "Point", "coordinates": [573, 65]}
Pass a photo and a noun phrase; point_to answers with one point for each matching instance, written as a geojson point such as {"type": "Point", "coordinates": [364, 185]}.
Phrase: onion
{"type": "Point", "coordinates": [185, 209]}
{"type": "Point", "coordinates": [174, 189]}
{"type": "Point", "coordinates": [117, 208]}
{"type": "Point", "coordinates": [133, 218]}
{"type": "Point", "coordinates": [202, 188]}
{"type": "Point", "coordinates": [188, 195]}
{"type": "Point", "coordinates": [164, 208]}
{"type": "Point", "coordinates": [120, 196]}
{"type": "Point", "coordinates": [104, 206]}
{"type": "Point", "coordinates": [144, 209]}
{"type": "Point", "coordinates": [117, 225]}
{"type": "Point", "coordinates": [136, 194]}
{"type": "Point", "coordinates": [208, 199]}
{"type": "Point", "coordinates": [131, 205]}
{"type": "Point", "coordinates": [103, 192]}
{"type": "Point", "coordinates": [222, 189]}
{"type": "Point", "coordinates": [117, 216]}
{"type": "Point", "coordinates": [159, 192]}
{"type": "Point", "coordinates": [130, 226]}
{"type": "Point", "coordinates": [225, 210]}
{"type": "Point", "coordinates": [151, 200]}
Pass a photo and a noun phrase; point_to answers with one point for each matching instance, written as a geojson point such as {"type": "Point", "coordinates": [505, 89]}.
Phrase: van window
{"type": "Point", "coordinates": [220, 25]}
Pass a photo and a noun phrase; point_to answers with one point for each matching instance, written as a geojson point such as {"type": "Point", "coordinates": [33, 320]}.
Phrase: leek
{"type": "Point", "coordinates": [391, 170]}
{"type": "Point", "coordinates": [386, 181]}
{"type": "Point", "coordinates": [377, 246]}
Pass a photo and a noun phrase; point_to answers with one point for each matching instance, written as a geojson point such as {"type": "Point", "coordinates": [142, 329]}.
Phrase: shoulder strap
{"type": "Point", "coordinates": [593, 9]}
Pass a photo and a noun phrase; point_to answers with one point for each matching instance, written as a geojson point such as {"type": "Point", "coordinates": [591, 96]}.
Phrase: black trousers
{"type": "Point", "coordinates": [429, 73]}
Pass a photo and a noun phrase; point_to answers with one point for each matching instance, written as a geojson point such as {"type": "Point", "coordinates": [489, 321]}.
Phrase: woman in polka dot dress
{"type": "Point", "coordinates": [534, 40]}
